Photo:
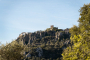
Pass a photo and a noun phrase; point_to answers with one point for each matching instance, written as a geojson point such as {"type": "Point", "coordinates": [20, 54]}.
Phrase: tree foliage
{"type": "Point", "coordinates": [79, 50]}
{"type": "Point", "coordinates": [84, 20]}
{"type": "Point", "coordinates": [11, 51]}
{"type": "Point", "coordinates": [80, 36]}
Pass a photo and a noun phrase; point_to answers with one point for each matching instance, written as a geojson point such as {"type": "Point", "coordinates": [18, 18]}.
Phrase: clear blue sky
{"type": "Point", "coordinates": [17, 16]}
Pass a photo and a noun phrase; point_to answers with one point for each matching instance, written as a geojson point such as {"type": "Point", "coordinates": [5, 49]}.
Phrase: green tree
{"type": "Point", "coordinates": [11, 51]}
{"type": "Point", "coordinates": [84, 20]}
{"type": "Point", "coordinates": [80, 36]}
{"type": "Point", "coordinates": [74, 30]}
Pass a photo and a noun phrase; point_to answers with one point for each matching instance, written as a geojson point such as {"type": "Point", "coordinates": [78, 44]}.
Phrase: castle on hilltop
{"type": "Point", "coordinates": [66, 30]}
{"type": "Point", "coordinates": [52, 26]}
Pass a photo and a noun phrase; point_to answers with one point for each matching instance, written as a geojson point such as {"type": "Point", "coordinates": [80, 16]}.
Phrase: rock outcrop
{"type": "Point", "coordinates": [40, 51]}
{"type": "Point", "coordinates": [28, 38]}
{"type": "Point", "coordinates": [52, 40]}
{"type": "Point", "coordinates": [27, 54]}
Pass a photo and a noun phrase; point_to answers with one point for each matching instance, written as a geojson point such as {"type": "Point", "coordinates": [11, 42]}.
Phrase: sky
{"type": "Point", "coordinates": [17, 16]}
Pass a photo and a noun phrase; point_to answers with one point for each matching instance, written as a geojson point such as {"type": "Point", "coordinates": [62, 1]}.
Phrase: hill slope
{"type": "Point", "coordinates": [48, 44]}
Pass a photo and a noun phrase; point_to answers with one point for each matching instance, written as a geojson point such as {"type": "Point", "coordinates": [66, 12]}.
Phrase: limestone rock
{"type": "Point", "coordinates": [26, 54]}
{"type": "Point", "coordinates": [40, 51]}
{"type": "Point", "coordinates": [58, 35]}
{"type": "Point", "coordinates": [28, 37]}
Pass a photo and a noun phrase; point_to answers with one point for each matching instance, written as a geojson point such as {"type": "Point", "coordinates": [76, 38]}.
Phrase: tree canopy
{"type": "Point", "coordinates": [11, 51]}
{"type": "Point", "coordinates": [80, 36]}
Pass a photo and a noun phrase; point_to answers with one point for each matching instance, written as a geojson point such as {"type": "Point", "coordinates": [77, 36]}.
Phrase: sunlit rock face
{"type": "Point", "coordinates": [28, 37]}
{"type": "Point", "coordinates": [35, 38]}
{"type": "Point", "coordinates": [58, 35]}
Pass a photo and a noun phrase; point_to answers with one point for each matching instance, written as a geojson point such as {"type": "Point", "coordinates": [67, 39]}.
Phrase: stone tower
{"type": "Point", "coordinates": [52, 26]}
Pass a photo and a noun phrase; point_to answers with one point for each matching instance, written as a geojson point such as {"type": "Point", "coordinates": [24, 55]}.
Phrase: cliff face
{"type": "Point", "coordinates": [35, 38]}
{"type": "Point", "coordinates": [52, 42]}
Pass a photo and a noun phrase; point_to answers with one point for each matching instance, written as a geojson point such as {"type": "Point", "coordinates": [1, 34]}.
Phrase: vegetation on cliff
{"type": "Point", "coordinates": [73, 46]}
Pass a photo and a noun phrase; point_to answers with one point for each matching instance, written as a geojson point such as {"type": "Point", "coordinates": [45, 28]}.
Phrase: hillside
{"type": "Point", "coordinates": [48, 44]}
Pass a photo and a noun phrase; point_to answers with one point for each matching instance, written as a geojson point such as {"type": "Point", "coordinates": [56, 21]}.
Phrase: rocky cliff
{"type": "Point", "coordinates": [46, 44]}
{"type": "Point", "coordinates": [52, 33]}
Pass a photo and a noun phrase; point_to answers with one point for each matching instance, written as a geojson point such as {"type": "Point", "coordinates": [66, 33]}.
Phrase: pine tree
{"type": "Point", "coordinates": [80, 36]}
